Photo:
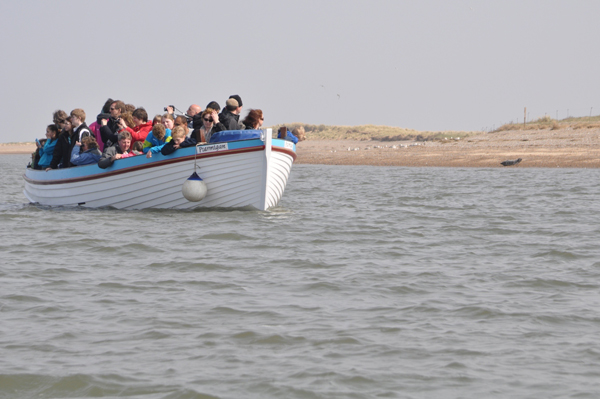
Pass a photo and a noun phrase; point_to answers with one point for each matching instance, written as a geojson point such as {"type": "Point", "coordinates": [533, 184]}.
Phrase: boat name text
{"type": "Point", "coordinates": [211, 148]}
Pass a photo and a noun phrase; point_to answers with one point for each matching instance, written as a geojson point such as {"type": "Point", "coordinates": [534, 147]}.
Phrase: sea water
{"type": "Point", "coordinates": [364, 282]}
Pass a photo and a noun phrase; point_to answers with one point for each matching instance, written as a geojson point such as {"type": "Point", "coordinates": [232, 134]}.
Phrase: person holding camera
{"type": "Point", "coordinates": [111, 124]}
{"type": "Point", "coordinates": [192, 111]}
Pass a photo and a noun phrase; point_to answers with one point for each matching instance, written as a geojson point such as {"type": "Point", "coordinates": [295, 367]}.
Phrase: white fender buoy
{"type": "Point", "coordinates": [194, 189]}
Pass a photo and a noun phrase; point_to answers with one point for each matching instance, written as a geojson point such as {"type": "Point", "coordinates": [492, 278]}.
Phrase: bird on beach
{"type": "Point", "coordinates": [511, 162]}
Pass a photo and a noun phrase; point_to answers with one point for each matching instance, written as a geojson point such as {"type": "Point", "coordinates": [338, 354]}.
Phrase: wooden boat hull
{"type": "Point", "coordinates": [240, 174]}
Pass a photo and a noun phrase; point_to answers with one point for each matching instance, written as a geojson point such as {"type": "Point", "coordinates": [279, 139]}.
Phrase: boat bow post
{"type": "Point", "coordinates": [267, 137]}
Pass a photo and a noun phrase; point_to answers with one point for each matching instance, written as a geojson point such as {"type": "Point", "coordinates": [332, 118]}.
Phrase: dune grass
{"type": "Point", "coordinates": [585, 122]}
{"type": "Point", "coordinates": [371, 132]}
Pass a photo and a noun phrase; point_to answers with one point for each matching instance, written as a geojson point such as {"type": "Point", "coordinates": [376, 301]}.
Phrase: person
{"type": "Point", "coordinates": [254, 119]}
{"type": "Point", "coordinates": [80, 129]}
{"type": "Point", "coordinates": [61, 158]}
{"type": "Point", "coordinates": [285, 134]}
{"type": "Point", "coordinates": [299, 133]}
{"type": "Point", "coordinates": [230, 116]}
{"type": "Point", "coordinates": [86, 152]}
{"type": "Point", "coordinates": [47, 150]}
{"type": "Point", "coordinates": [192, 111]}
{"type": "Point", "coordinates": [182, 121]}
{"type": "Point", "coordinates": [210, 125]}
{"type": "Point", "coordinates": [156, 139]}
{"type": "Point", "coordinates": [138, 148]}
{"type": "Point", "coordinates": [178, 140]}
{"type": "Point", "coordinates": [214, 105]}
{"type": "Point", "coordinates": [110, 125]}
{"type": "Point", "coordinates": [142, 126]}
{"type": "Point", "coordinates": [116, 151]}
{"type": "Point", "coordinates": [35, 156]}
{"type": "Point", "coordinates": [59, 117]}
{"type": "Point", "coordinates": [168, 120]}
{"type": "Point", "coordinates": [127, 121]}
{"type": "Point", "coordinates": [238, 99]}
{"type": "Point", "coordinates": [155, 120]}
{"type": "Point", "coordinates": [95, 126]}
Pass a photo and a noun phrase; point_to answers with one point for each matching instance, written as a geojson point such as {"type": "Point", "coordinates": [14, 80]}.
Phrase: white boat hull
{"type": "Point", "coordinates": [241, 174]}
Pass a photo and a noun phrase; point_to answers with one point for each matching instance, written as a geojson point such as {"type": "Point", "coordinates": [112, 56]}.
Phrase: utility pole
{"type": "Point", "coordinates": [525, 116]}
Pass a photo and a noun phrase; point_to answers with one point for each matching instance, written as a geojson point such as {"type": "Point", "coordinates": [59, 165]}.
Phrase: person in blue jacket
{"type": "Point", "coordinates": [287, 135]}
{"type": "Point", "coordinates": [47, 151]}
{"type": "Point", "coordinates": [156, 139]}
{"type": "Point", "coordinates": [86, 153]}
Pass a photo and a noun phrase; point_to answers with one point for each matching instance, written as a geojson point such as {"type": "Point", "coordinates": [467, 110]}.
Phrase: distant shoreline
{"type": "Point", "coordinates": [564, 148]}
{"type": "Point", "coordinates": [17, 148]}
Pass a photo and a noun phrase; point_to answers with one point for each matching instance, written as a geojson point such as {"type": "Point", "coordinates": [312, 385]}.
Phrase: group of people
{"type": "Point", "coordinates": [122, 130]}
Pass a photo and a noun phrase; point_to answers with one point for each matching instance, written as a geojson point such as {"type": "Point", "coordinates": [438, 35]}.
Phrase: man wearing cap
{"type": "Point", "coordinates": [230, 117]}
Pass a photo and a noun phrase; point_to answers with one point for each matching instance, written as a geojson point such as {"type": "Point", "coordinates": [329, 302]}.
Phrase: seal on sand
{"type": "Point", "coordinates": [511, 162]}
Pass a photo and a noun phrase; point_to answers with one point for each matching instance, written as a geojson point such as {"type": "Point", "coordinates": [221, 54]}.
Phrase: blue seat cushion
{"type": "Point", "coordinates": [234, 135]}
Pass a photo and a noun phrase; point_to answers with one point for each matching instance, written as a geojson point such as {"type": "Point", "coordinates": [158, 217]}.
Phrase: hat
{"type": "Point", "coordinates": [214, 105]}
{"type": "Point", "coordinates": [232, 104]}
{"type": "Point", "coordinates": [237, 98]}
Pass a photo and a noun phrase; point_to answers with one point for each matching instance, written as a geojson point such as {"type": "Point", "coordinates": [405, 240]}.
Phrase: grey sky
{"type": "Point", "coordinates": [426, 65]}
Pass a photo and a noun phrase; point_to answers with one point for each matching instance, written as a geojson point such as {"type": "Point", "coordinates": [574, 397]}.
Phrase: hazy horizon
{"type": "Point", "coordinates": [432, 65]}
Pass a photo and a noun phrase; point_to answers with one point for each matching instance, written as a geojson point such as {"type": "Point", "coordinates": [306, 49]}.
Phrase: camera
{"type": "Point", "coordinates": [172, 106]}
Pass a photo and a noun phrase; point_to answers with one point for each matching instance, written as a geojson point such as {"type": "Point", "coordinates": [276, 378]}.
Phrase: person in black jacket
{"type": "Point", "coordinates": [61, 157]}
{"type": "Point", "coordinates": [230, 116]}
{"type": "Point", "coordinates": [80, 129]}
{"type": "Point", "coordinates": [110, 126]}
{"type": "Point", "coordinates": [178, 140]}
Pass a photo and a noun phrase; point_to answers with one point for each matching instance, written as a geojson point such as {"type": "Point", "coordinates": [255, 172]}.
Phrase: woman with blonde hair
{"type": "Point", "coordinates": [169, 121]}
{"type": "Point", "coordinates": [299, 133]}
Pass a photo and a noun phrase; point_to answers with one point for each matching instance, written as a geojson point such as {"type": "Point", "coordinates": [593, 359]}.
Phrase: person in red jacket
{"type": "Point", "coordinates": [142, 125]}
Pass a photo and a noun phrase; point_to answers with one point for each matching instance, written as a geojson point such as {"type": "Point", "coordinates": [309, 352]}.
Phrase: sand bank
{"type": "Point", "coordinates": [579, 148]}
{"type": "Point", "coordinates": [17, 148]}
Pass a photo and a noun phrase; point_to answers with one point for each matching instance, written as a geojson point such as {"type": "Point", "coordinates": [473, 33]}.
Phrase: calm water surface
{"type": "Point", "coordinates": [365, 282]}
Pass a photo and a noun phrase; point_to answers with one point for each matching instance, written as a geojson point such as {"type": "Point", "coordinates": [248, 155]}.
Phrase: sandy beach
{"type": "Point", "coordinates": [575, 148]}
{"type": "Point", "coordinates": [568, 147]}
{"type": "Point", "coordinates": [17, 148]}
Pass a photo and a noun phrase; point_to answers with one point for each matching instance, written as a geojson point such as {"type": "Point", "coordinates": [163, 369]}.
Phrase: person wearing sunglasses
{"type": "Point", "coordinates": [210, 124]}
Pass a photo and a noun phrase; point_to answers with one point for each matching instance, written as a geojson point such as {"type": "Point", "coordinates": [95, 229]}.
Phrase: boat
{"type": "Point", "coordinates": [247, 171]}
